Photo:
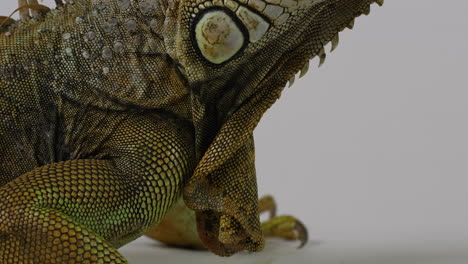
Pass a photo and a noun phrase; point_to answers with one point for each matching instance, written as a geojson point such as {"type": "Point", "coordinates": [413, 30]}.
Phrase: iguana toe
{"type": "Point", "coordinates": [267, 204]}
{"type": "Point", "coordinates": [287, 227]}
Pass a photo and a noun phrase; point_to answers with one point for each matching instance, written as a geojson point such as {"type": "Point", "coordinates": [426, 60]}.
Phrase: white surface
{"type": "Point", "coordinates": [329, 252]}
{"type": "Point", "coordinates": [370, 150]}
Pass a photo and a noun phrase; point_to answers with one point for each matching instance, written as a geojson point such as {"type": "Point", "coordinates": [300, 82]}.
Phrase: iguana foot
{"type": "Point", "coordinates": [285, 226]}
{"type": "Point", "coordinates": [178, 228]}
{"type": "Point", "coordinates": [30, 9]}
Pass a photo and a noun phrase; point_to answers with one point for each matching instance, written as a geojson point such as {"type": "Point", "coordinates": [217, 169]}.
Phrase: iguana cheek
{"type": "Point", "coordinates": [218, 36]}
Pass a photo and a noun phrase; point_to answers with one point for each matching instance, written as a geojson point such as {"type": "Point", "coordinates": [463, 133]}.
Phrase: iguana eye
{"type": "Point", "coordinates": [219, 36]}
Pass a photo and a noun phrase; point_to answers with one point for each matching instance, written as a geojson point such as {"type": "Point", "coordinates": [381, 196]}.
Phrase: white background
{"type": "Point", "coordinates": [370, 150]}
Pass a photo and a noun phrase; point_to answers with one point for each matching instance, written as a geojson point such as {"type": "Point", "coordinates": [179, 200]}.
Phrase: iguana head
{"type": "Point", "coordinates": [237, 55]}
{"type": "Point", "coordinates": [233, 51]}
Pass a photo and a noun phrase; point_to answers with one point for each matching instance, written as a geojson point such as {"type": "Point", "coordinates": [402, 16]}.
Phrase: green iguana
{"type": "Point", "coordinates": [119, 115]}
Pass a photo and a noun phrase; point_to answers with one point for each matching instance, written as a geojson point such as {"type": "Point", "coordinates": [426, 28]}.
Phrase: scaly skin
{"type": "Point", "coordinates": [112, 110]}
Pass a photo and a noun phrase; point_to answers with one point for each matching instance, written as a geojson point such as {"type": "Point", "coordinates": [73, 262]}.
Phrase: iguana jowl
{"type": "Point", "coordinates": [112, 110]}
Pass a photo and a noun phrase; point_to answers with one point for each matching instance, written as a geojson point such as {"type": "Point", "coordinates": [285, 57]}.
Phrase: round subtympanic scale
{"type": "Point", "coordinates": [107, 53]}
{"type": "Point", "coordinates": [86, 54]}
{"type": "Point", "coordinates": [154, 25]}
{"type": "Point", "coordinates": [131, 25]}
{"type": "Point", "coordinates": [90, 35]}
{"type": "Point", "coordinates": [119, 47]}
{"type": "Point", "coordinates": [124, 4]}
{"type": "Point", "coordinates": [218, 36]}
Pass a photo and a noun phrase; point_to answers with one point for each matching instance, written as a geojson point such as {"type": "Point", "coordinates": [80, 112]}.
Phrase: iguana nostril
{"type": "Point", "coordinates": [218, 36]}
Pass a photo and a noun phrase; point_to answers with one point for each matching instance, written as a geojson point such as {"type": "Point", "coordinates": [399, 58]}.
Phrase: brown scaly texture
{"type": "Point", "coordinates": [110, 113]}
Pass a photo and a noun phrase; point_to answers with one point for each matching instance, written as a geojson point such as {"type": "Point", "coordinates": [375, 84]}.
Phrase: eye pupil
{"type": "Point", "coordinates": [218, 36]}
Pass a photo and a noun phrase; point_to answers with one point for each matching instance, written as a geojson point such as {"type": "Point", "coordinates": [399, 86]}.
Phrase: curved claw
{"type": "Point", "coordinates": [286, 227]}
{"type": "Point", "coordinates": [267, 204]}
{"type": "Point", "coordinates": [302, 233]}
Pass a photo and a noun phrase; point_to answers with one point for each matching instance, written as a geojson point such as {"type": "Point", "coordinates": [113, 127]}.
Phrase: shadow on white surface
{"type": "Point", "coordinates": [145, 251]}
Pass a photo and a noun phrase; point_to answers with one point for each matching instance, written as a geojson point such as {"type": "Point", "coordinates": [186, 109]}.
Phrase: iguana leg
{"type": "Point", "coordinates": [52, 214]}
{"type": "Point", "coordinates": [81, 211]}
{"type": "Point", "coordinates": [57, 239]}
{"type": "Point", "coordinates": [178, 228]}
